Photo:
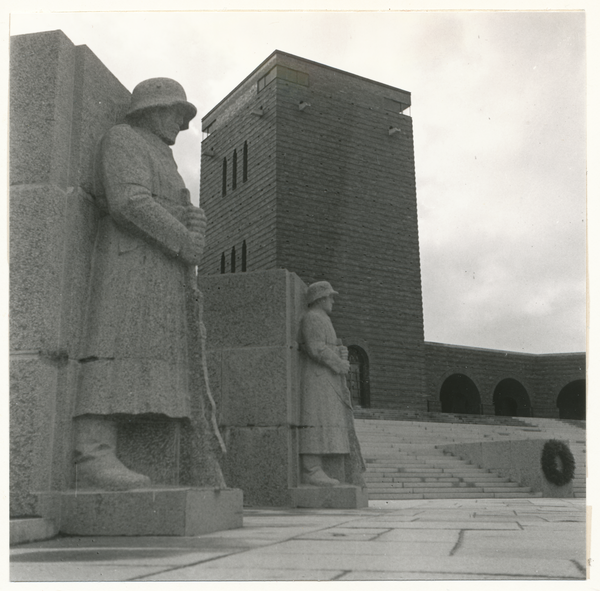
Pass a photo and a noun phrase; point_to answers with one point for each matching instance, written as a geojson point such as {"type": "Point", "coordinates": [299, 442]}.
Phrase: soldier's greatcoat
{"type": "Point", "coordinates": [325, 397]}
{"type": "Point", "coordinates": [135, 349]}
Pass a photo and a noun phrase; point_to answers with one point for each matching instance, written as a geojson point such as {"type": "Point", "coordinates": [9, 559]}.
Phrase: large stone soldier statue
{"type": "Point", "coordinates": [135, 358]}
{"type": "Point", "coordinates": [327, 422]}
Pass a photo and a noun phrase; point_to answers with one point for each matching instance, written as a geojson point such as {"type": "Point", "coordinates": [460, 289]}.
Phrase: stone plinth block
{"type": "Point", "coordinates": [23, 531]}
{"type": "Point", "coordinates": [37, 252]}
{"type": "Point", "coordinates": [151, 512]}
{"type": "Point", "coordinates": [246, 309]}
{"type": "Point", "coordinates": [33, 382]}
{"type": "Point", "coordinates": [255, 386]}
{"type": "Point", "coordinates": [42, 81]}
{"type": "Point", "coordinates": [100, 101]}
{"type": "Point", "coordinates": [260, 461]}
{"type": "Point", "coordinates": [330, 497]}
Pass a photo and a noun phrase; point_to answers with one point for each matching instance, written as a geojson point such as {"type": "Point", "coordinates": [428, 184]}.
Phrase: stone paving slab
{"type": "Point", "coordinates": [77, 572]}
{"type": "Point", "coordinates": [345, 533]}
{"type": "Point", "coordinates": [449, 539]}
{"type": "Point", "coordinates": [201, 573]}
{"type": "Point", "coordinates": [355, 548]}
{"type": "Point", "coordinates": [116, 556]}
{"type": "Point", "coordinates": [376, 564]}
{"type": "Point", "coordinates": [436, 575]}
{"type": "Point", "coordinates": [420, 535]}
{"type": "Point", "coordinates": [531, 543]}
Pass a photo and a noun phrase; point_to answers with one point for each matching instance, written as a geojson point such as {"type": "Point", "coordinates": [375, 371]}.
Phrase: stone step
{"type": "Point", "coordinates": [397, 496]}
{"type": "Point", "coordinates": [432, 485]}
{"type": "Point", "coordinates": [486, 477]}
{"type": "Point", "coordinates": [421, 472]}
{"type": "Point", "coordinates": [406, 460]}
{"type": "Point", "coordinates": [430, 463]}
{"type": "Point", "coordinates": [381, 478]}
{"type": "Point", "coordinates": [373, 493]}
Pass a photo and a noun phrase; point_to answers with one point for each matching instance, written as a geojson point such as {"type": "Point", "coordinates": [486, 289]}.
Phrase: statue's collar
{"type": "Point", "coordinates": [153, 139]}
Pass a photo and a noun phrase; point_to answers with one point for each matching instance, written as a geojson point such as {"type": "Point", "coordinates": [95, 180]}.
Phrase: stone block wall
{"type": "Point", "coordinates": [62, 99]}
{"type": "Point", "coordinates": [518, 460]}
{"type": "Point", "coordinates": [252, 320]}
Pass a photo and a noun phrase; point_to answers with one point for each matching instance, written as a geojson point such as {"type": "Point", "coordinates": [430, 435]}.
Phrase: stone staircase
{"type": "Point", "coordinates": [405, 460]}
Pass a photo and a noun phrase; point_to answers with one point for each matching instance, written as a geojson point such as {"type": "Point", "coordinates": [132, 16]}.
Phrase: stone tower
{"type": "Point", "coordinates": [311, 169]}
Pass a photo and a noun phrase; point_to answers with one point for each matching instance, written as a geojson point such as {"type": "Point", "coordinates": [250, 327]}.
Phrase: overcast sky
{"type": "Point", "coordinates": [499, 114]}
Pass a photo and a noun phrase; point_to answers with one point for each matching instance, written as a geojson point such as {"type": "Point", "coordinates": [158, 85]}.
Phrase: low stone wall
{"type": "Point", "coordinates": [518, 460]}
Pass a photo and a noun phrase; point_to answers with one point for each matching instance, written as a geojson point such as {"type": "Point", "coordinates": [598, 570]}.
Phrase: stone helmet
{"type": "Point", "coordinates": [160, 92]}
{"type": "Point", "coordinates": [318, 290]}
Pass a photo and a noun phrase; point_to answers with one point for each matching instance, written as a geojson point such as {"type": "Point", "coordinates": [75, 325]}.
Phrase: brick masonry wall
{"type": "Point", "coordinates": [345, 208]}
{"type": "Point", "coordinates": [553, 372]}
{"type": "Point", "coordinates": [543, 376]}
{"type": "Point", "coordinates": [247, 212]}
{"type": "Point", "coordinates": [353, 221]}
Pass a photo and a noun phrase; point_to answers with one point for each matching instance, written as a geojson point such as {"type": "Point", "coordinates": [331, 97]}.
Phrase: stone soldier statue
{"type": "Point", "coordinates": [150, 237]}
{"type": "Point", "coordinates": [327, 423]}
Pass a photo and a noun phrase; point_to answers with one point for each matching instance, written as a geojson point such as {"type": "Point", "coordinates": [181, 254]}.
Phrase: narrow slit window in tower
{"type": "Point", "coordinates": [234, 170]}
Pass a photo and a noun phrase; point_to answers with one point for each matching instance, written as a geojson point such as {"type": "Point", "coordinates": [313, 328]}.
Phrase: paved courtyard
{"type": "Point", "coordinates": [524, 539]}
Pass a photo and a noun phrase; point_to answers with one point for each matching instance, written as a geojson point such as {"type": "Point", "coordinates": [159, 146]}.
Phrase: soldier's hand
{"type": "Point", "coordinates": [192, 251]}
{"type": "Point", "coordinates": [195, 219]}
{"type": "Point", "coordinates": [344, 366]}
{"type": "Point", "coordinates": [343, 351]}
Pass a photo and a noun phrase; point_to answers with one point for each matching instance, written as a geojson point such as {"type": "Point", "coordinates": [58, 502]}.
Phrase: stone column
{"type": "Point", "coordinates": [62, 99]}
{"type": "Point", "coordinates": [252, 323]}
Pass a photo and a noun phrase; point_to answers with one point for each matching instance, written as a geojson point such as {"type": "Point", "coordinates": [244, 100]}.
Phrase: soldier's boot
{"type": "Point", "coordinates": [312, 471]}
{"type": "Point", "coordinates": [96, 463]}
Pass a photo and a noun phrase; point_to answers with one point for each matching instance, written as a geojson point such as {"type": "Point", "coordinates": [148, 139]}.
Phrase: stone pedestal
{"type": "Point", "coordinates": [254, 366]}
{"type": "Point", "coordinates": [31, 529]}
{"type": "Point", "coordinates": [165, 511]}
{"type": "Point", "coordinates": [329, 497]}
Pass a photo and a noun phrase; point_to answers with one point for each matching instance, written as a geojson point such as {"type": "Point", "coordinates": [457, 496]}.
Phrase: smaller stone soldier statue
{"type": "Point", "coordinates": [327, 423]}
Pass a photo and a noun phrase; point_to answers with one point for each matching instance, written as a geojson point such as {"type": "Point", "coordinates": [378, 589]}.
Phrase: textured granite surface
{"type": "Point", "coordinates": [151, 512]}
{"type": "Point", "coordinates": [253, 358]}
{"type": "Point", "coordinates": [334, 497]}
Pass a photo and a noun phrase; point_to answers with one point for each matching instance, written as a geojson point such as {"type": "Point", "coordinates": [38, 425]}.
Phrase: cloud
{"type": "Point", "coordinates": [499, 127]}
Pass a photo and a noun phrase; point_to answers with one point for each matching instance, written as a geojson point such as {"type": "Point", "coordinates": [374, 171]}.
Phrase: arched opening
{"type": "Point", "coordinates": [571, 401]}
{"type": "Point", "coordinates": [459, 394]}
{"type": "Point", "coordinates": [358, 377]}
{"type": "Point", "coordinates": [511, 399]}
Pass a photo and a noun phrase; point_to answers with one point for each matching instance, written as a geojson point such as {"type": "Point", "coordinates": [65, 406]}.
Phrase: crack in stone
{"type": "Point", "coordinates": [461, 535]}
